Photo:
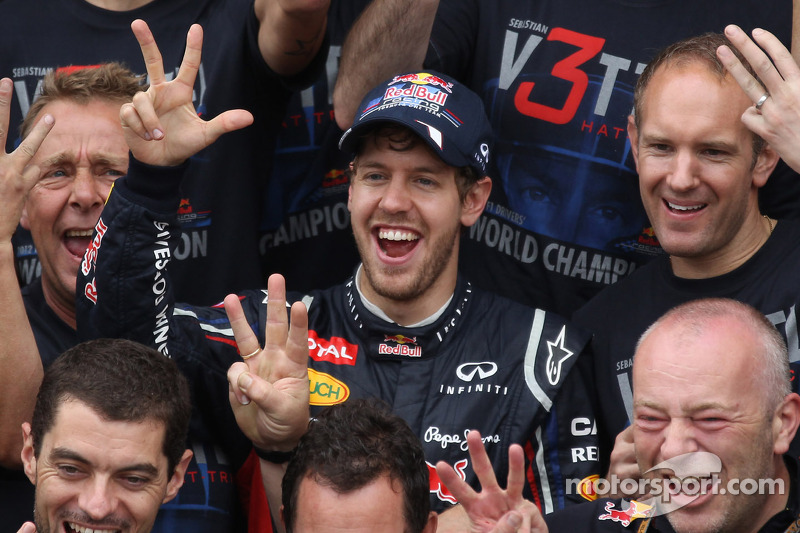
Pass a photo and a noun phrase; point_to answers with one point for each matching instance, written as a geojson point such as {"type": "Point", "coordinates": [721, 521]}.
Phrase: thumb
{"type": "Point", "coordinates": [232, 120]}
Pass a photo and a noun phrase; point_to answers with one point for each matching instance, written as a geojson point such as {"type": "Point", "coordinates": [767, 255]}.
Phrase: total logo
{"type": "Point", "coordinates": [336, 350]}
{"type": "Point", "coordinates": [325, 389]}
{"type": "Point", "coordinates": [401, 345]}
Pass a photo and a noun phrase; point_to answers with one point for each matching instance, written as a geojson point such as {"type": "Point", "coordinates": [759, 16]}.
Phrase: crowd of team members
{"type": "Point", "coordinates": [418, 324]}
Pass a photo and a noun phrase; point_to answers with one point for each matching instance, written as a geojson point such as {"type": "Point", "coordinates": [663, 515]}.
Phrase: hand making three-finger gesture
{"type": "Point", "coordinates": [161, 125]}
{"type": "Point", "coordinates": [268, 391]}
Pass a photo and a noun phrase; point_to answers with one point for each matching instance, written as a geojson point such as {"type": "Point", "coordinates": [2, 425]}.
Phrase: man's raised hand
{"type": "Point", "coordinates": [268, 391]}
{"type": "Point", "coordinates": [161, 125]}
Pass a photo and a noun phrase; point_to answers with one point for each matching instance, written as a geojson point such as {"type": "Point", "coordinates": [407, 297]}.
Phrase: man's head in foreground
{"type": "Point", "coordinates": [358, 468]}
{"type": "Point", "coordinates": [713, 376]}
{"type": "Point", "coordinates": [699, 167]}
{"type": "Point", "coordinates": [107, 442]}
{"type": "Point", "coordinates": [78, 161]}
{"type": "Point", "coordinates": [421, 145]}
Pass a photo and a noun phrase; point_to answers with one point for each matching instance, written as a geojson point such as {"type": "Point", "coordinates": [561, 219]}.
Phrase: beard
{"type": "Point", "coordinates": [384, 279]}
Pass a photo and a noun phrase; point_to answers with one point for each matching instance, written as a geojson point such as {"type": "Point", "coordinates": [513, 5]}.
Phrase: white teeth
{"type": "Point", "coordinates": [684, 207]}
{"type": "Point", "coordinates": [79, 233]}
{"type": "Point", "coordinates": [392, 235]}
{"type": "Point", "coordinates": [82, 529]}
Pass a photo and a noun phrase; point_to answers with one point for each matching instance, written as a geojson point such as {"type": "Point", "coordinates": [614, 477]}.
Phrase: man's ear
{"type": "Point", "coordinates": [24, 219]}
{"type": "Point", "coordinates": [765, 164]}
{"type": "Point", "coordinates": [475, 200]}
{"type": "Point", "coordinates": [350, 187]}
{"type": "Point", "coordinates": [432, 523]}
{"type": "Point", "coordinates": [633, 137]}
{"type": "Point", "coordinates": [28, 457]}
{"type": "Point", "coordinates": [178, 475]}
{"type": "Point", "coordinates": [785, 423]}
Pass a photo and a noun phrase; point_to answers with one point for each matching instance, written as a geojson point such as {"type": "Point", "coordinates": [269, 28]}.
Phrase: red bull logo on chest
{"type": "Point", "coordinates": [404, 346]}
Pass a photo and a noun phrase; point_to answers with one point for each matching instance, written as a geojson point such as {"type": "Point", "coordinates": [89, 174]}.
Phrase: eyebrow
{"type": "Point", "coordinates": [101, 158]}
{"type": "Point", "coordinates": [726, 146]}
{"type": "Point", "coordinates": [71, 455]}
{"type": "Point", "coordinates": [381, 166]}
{"type": "Point", "coordinates": [691, 410]}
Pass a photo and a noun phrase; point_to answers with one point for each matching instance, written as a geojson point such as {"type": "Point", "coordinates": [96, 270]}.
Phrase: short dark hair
{"type": "Point", "coordinates": [351, 444]}
{"type": "Point", "coordinates": [697, 49]}
{"type": "Point", "coordinates": [111, 82]}
{"type": "Point", "coordinates": [402, 139]}
{"type": "Point", "coordinates": [122, 381]}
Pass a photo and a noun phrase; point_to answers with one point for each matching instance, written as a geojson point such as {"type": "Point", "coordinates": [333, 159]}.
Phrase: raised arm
{"type": "Point", "coordinates": [291, 32]}
{"type": "Point", "coordinates": [19, 358]}
{"type": "Point", "coordinates": [776, 113]}
{"type": "Point", "coordinates": [268, 391]}
{"type": "Point", "coordinates": [390, 37]}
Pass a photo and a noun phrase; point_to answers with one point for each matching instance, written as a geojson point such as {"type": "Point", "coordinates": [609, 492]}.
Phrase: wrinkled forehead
{"type": "Point", "coordinates": [83, 130]}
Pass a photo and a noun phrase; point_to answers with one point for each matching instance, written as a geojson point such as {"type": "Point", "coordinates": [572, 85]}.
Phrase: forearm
{"type": "Point", "coordinates": [19, 360]}
{"type": "Point", "coordinates": [123, 287]}
{"type": "Point", "coordinates": [389, 38]}
{"type": "Point", "coordinates": [272, 477]}
{"type": "Point", "coordinates": [290, 36]}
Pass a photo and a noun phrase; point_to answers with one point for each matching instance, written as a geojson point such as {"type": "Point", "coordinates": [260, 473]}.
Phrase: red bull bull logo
{"type": "Point", "coordinates": [439, 488]}
{"type": "Point", "coordinates": [399, 339]}
{"type": "Point", "coordinates": [404, 346]}
{"type": "Point", "coordinates": [185, 207]}
{"type": "Point", "coordinates": [625, 517]}
{"type": "Point", "coordinates": [423, 78]}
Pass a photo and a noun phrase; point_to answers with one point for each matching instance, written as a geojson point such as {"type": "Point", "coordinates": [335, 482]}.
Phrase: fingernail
{"type": "Point", "coordinates": [147, 136]}
{"type": "Point", "coordinates": [157, 133]}
{"type": "Point", "coordinates": [5, 84]}
{"type": "Point", "coordinates": [514, 520]}
{"type": "Point", "coordinates": [245, 399]}
{"type": "Point", "coordinates": [49, 120]}
{"type": "Point", "coordinates": [245, 381]}
{"type": "Point", "coordinates": [758, 31]}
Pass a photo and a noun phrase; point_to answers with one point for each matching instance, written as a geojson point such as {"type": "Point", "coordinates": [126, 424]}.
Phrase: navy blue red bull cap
{"type": "Point", "coordinates": [448, 115]}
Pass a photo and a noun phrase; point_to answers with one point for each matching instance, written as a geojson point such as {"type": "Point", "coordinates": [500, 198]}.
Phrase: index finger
{"type": "Point", "coordinates": [150, 52]}
{"type": "Point", "coordinates": [758, 60]}
{"type": "Point", "coordinates": [480, 461]}
{"type": "Point", "coordinates": [246, 339]}
{"type": "Point", "coordinates": [22, 156]}
{"type": "Point", "coordinates": [6, 90]}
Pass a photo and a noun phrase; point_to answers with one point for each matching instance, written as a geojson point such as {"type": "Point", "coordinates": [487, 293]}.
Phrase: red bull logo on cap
{"type": "Point", "coordinates": [423, 78]}
{"type": "Point", "coordinates": [439, 488]}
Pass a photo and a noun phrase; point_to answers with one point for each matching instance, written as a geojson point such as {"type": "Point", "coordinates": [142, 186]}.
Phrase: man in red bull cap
{"type": "Point", "coordinates": [406, 328]}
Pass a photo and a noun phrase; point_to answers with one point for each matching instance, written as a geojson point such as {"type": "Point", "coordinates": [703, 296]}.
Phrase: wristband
{"type": "Point", "coordinates": [274, 457]}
